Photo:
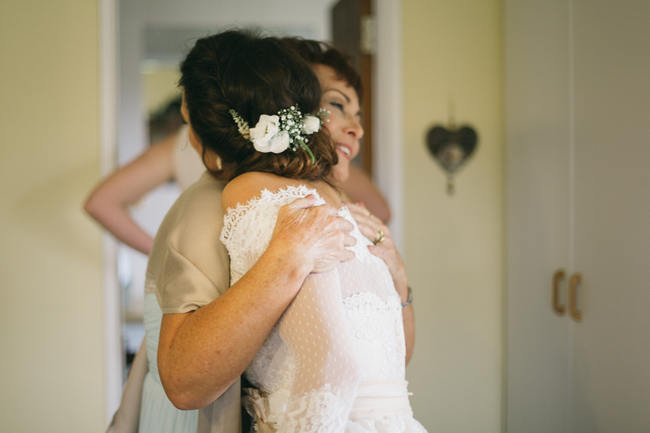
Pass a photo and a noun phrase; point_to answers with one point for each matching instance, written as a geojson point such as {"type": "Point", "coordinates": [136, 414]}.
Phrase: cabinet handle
{"type": "Point", "coordinates": [558, 276]}
{"type": "Point", "coordinates": [575, 281]}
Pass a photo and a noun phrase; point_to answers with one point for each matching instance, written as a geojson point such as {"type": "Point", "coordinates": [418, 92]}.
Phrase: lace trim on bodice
{"type": "Point", "coordinates": [235, 214]}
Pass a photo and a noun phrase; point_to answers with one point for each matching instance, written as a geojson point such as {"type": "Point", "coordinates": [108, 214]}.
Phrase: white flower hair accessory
{"type": "Point", "coordinates": [278, 132]}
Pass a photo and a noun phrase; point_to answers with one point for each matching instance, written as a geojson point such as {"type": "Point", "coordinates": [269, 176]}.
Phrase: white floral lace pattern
{"type": "Point", "coordinates": [318, 411]}
{"type": "Point", "coordinates": [314, 412]}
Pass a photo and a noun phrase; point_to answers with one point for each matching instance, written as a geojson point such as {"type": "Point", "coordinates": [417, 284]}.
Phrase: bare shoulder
{"type": "Point", "coordinates": [249, 185]}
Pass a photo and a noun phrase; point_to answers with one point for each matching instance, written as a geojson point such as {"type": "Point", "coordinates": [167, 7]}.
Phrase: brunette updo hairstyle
{"type": "Point", "coordinates": [252, 75]}
{"type": "Point", "coordinates": [322, 53]}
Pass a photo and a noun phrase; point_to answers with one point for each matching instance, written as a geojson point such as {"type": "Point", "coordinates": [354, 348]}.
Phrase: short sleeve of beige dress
{"type": "Point", "coordinates": [188, 268]}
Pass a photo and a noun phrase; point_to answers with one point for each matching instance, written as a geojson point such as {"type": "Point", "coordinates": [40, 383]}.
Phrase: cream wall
{"type": "Point", "coordinates": [452, 51]}
{"type": "Point", "coordinates": [51, 325]}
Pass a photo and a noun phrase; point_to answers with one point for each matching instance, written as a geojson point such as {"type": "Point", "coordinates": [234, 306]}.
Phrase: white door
{"type": "Point", "coordinates": [538, 159]}
{"type": "Point", "coordinates": [610, 365]}
{"type": "Point", "coordinates": [578, 110]}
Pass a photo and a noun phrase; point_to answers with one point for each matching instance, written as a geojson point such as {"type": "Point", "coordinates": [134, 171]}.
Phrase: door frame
{"type": "Point", "coordinates": [112, 299]}
{"type": "Point", "coordinates": [387, 156]}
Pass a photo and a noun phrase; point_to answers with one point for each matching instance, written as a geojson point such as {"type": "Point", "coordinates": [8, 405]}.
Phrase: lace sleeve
{"type": "Point", "coordinates": [327, 373]}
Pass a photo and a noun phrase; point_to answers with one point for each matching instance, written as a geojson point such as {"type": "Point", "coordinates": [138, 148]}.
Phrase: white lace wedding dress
{"type": "Point", "coordinates": [335, 360]}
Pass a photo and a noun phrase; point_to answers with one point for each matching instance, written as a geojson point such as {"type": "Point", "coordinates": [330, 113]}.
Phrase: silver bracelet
{"type": "Point", "coordinates": [409, 298]}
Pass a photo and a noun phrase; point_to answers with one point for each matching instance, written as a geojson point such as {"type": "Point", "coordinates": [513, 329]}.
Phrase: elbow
{"type": "Point", "coordinates": [89, 206]}
{"type": "Point", "coordinates": [176, 392]}
{"type": "Point", "coordinates": [190, 396]}
{"type": "Point", "coordinates": [182, 401]}
{"type": "Point", "coordinates": [92, 206]}
{"type": "Point", "coordinates": [189, 400]}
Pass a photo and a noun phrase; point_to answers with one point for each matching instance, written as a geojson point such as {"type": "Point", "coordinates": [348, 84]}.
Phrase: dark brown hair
{"type": "Point", "coordinates": [325, 54]}
{"type": "Point", "coordinates": [252, 75]}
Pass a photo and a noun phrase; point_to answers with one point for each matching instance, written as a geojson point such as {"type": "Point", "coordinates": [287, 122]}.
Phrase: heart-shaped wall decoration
{"type": "Point", "coordinates": [451, 148]}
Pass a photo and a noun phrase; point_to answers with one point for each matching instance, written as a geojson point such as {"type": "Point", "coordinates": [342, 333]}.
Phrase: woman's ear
{"type": "Point", "coordinates": [211, 160]}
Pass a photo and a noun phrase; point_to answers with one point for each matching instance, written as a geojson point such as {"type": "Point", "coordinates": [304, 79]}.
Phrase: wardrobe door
{"type": "Point", "coordinates": [610, 365]}
{"type": "Point", "coordinates": [537, 180]}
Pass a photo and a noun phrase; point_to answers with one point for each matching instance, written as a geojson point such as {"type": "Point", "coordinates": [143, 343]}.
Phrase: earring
{"type": "Point", "coordinates": [218, 163]}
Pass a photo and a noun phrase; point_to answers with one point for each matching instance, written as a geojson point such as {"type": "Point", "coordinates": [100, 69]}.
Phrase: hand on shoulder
{"type": "Point", "coordinates": [311, 234]}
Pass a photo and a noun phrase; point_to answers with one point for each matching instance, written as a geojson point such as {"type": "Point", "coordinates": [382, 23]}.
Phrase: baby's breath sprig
{"type": "Point", "coordinates": [324, 114]}
{"type": "Point", "coordinates": [292, 121]}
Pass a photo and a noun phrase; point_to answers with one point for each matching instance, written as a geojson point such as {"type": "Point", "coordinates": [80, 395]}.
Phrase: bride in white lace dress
{"type": "Point", "coordinates": [335, 361]}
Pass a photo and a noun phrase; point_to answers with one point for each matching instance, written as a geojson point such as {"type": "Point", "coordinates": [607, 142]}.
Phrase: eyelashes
{"type": "Point", "coordinates": [337, 105]}
{"type": "Point", "coordinates": [341, 107]}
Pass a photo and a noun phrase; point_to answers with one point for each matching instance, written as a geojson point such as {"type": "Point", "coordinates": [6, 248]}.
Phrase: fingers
{"type": "Point", "coordinates": [346, 255]}
{"type": "Point", "coordinates": [359, 213]}
{"type": "Point", "coordinates": [313, 233]}
{"type": "Point", "coordinates": [328, 262]}
{"type": "Point", "coordinates": [302, 203]}
{"type": "Point", "coordinates": [303, 215]}
{"type": "Point", "coordinates": [305, 208]}
{"type": "Point", "coordinates": [342, 224]}
{"type": "Point", "coordinates": [369, 231]}
{"type": "Point", "coordinates": [363, 217]}
{"type": "Point", "coordinates": [373, 231]}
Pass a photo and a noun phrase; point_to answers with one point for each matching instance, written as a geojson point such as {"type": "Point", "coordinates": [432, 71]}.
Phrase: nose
{"type": "Point", "coordinates": [353, 128]}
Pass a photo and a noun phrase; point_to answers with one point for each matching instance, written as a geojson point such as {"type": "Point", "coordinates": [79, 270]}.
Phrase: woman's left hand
{"type": "Point", "coordinates": [377, 232]}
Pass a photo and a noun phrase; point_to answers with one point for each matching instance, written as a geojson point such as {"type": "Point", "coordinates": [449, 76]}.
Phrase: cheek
{"type": "Point", "coordinates": [333, 126]}
{"type": "Point", "coordinates": [355, 148]}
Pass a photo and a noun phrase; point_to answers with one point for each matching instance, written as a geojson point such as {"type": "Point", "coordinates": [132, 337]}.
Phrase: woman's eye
{"type": "Point", "coordinates": [337, 105]}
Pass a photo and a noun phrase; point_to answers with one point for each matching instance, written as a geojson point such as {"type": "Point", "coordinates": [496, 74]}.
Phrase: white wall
{"type": "Point", "coordinates": [454, 244]}
{"type": "Point", "coordinates": [51, 327]}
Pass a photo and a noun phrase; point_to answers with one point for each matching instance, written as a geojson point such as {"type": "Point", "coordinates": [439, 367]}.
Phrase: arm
{"type": "Point", "coordinates": [359, 188]}
{"type": "Point", "coordinates": [108, 202]}
{"type": "Point", "coordinates": [201, 353]}
{"type": "Point", "coordinates": [369, 226]}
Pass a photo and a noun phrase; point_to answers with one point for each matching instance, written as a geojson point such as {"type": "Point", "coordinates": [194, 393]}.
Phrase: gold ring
{"type": "Point", "coordinates": [380, 237]}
